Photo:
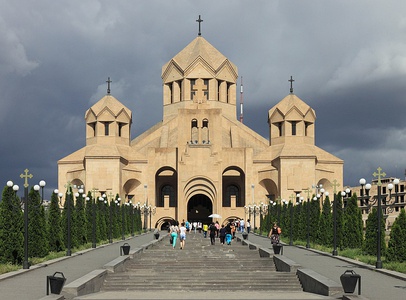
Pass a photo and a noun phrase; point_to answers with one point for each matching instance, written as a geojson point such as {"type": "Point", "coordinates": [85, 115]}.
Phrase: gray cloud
{"type": "Point", "coordinates": [348, 62]}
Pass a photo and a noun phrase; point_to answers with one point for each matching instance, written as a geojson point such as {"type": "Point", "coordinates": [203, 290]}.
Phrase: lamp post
{"type": "Point", "coordinates": [335, 185]}
{"type": "Point", "coordinates": [263, 209]}
{"type": "Point", "coordinates": [25, 176]}
{"type": "Point", "coordinates": [308, 218]}
{"type": "Point", "coordinates": [379, 174]}
{"type": "Point", "coordinates": [254, 211]}
{"type": "Point", "coordinates": [152, 211]}
{"type": "Point", "coordinates": [345, 195]}
{"type": "Point", "coordinates": [364, 193]}
{"type": "Point", "coordinates": [291, 198]}
{"type": "Point", "coordinates": [110, 206]}
{"type": "Point", "coordinates": [93, 205]}
{"type": "Point", "coordinates": [68, 200]}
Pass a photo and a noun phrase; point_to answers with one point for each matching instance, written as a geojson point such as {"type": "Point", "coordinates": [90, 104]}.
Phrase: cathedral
{"type": "Point", "coordinates": [200, 159]}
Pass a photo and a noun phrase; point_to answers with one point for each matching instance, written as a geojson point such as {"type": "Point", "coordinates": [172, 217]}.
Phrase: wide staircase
{"type": "Point", "coordinates": [201, 267]}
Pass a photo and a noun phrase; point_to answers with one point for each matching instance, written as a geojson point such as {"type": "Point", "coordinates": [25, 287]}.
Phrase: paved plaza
{"type": "Point", "coordinates": [31, 284]}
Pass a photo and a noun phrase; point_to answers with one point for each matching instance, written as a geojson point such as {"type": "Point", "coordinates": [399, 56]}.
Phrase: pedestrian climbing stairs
{"type": "Point", "coordinates": [201, 267]}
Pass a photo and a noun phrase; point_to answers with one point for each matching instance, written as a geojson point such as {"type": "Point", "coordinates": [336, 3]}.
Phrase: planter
{"type": "Point", "coordinates": [156, 235]}
{"type": "Point", "coordinates": [245, 235]}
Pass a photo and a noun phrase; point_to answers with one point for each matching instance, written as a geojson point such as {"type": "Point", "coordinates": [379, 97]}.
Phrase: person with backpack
{"type": "Point", "coordinates": [274, 234]}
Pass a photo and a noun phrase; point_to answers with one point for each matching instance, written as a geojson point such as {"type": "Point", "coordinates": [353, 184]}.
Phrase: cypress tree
{"type": "Point", "coordinates": [325, 237]}
{"type": "Point", "coordinates": [101, 220]}
{"type": "Point", "coordinates": [89, 202]}
{"type": "Point", "coordinates": [69, 201]}
{"type": "Point", "coordinates": [80, 220]}
{"type": "Point", "coordinates": [314, 207]}
{"type": "Point", "coordinates": [353, 233]}
{"type": "Point", "coordinates": [11, 227]}
{"type": "Point", "coordinates": [371, 240]}
{"type": "Point", "coordinates": [55, 237]}
{"type": "Point", "coordinates": [37, 227]}
{"type": "Point", "coordinates": [340, 221]}
{"type": "Point", "coordinates": [397, 243]}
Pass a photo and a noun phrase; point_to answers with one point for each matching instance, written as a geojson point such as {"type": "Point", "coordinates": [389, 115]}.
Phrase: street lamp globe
{"type": "Point", "coordinates": [15, 188]}
{"type": "Point", "coordinates": [9, 183]}
{"type": "Point", "coordinates": [347, 191]}
{"type": "Point", "coordinates": [343, 194]}
{"type": "Point", "coordinates": [56, 191]}
{"type": "Point", "coordinates": [42, 183]}
{"type": "Point", "coordinates": [326, 193]}
{"type": "Point", "coordinates": [362, 181]}
{"type": "Point", "coordinates": [36, 187]}
{"type": "Point", "coordinates": [396, 181]}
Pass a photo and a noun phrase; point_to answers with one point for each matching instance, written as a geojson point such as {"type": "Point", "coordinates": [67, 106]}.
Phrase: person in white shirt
{"type": "Point", "coordinates": [242, 226]}
{"type": "Point", "coordinates": [182, 235]}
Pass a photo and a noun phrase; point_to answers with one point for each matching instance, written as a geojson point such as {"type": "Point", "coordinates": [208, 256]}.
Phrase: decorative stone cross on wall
{"type": "Point", "coordinates": [199, 90]}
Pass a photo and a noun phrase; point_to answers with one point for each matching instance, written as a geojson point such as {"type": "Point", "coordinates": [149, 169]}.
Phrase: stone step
{"type": "Point", "coordinates": [200, 267]}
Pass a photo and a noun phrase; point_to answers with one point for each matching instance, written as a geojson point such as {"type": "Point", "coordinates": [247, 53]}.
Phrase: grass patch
{"type": "Point", "coordinates": [355, 254]}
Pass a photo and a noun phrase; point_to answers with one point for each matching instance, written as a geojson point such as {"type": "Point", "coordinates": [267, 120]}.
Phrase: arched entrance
{"type": "Point", "coordinates": [199, 208]}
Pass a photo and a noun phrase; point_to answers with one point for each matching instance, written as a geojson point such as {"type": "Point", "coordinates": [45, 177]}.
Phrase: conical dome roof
{"type": "Point", "coordinates": [199, 47]}
{"type": "Point", "coordinates": [112, 104]}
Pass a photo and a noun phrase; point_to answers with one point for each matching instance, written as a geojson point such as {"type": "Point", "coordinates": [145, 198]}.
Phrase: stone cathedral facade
{"type": "Point", "coordinates": [200, 159]}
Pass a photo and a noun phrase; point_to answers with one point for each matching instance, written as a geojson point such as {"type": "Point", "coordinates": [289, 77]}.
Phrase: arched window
{"type": "Point", "coordinates": [194, 132]}
{"type": "Point", "coordinates": [205, 132]}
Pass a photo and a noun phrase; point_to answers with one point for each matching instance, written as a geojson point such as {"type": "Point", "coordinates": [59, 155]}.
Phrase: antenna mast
{"type": "Point", "coordinates": [241, 101]}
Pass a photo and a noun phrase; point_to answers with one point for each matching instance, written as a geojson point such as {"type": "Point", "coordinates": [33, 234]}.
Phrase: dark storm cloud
{"type": "Point", "coordinates": [348, 62]}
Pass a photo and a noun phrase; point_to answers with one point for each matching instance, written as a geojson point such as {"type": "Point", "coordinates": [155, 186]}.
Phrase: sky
{"type": "Point", "coordinates": [348, 60]}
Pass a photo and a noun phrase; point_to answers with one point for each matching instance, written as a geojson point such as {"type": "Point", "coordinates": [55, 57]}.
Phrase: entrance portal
{"type": "Point", "coordinates": [199, 208]}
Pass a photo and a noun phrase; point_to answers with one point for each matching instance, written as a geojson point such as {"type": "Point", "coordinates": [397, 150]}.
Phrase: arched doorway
{"type": "Point", "coordinates": [199, 208]}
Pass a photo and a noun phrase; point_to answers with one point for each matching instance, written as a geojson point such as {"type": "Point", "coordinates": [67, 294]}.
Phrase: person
{"type": "Point", "coordinates": [274, 234]}
{"type": "Point", "coordinates": [233, 229]}
{"type": "Point", "coordinates": [228, 234]}
{"type": "Point", "coordinates": [182, 235]}
{"type": "Point", "coordinates": [222, 234]}
{"type": "Point", "coordinates": [194, 226]}
{"type": "Point", "coordinates": [187, 225]}
{"type": "Point", "coordinates": [205, 227]}
{"type": "Point", "coordinates": [174, 229]}
{"type": "Point", "coordinates": [242, 225]}
{"type": "Point", "coordinates": [212, 230]}
{"type": "Point", "coordinates": [248, 226]}
{"type": "Point", "coordinates": [199, 226]}
{"type": "Point", "coordinates": [217, 228]}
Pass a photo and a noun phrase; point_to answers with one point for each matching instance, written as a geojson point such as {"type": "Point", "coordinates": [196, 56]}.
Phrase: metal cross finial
{"type": "Point", "coordinates": [379, 175]}
{"type": "Point", "coordinates": [108, 85]}
{"type": "Point", "coordinates": [335, 185]}
{"type": "Point", "coordinates": [200, 21]}
{"type": "Point", "coordinates": [291, 80]}
{"type": "Point", "coordinates": [26, 176]}
{"type": "Point", "coordinates": [68, 186]}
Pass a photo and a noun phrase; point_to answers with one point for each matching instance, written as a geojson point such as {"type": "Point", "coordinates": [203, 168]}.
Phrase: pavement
{"type": "Point", "coordinates": [376, 284]}
{"type": "Point", "coordinates": [31, 284]}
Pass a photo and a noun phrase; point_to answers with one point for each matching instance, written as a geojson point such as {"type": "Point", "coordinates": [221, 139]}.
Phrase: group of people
{"type": "Point", "coordinates": [224, 232]}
